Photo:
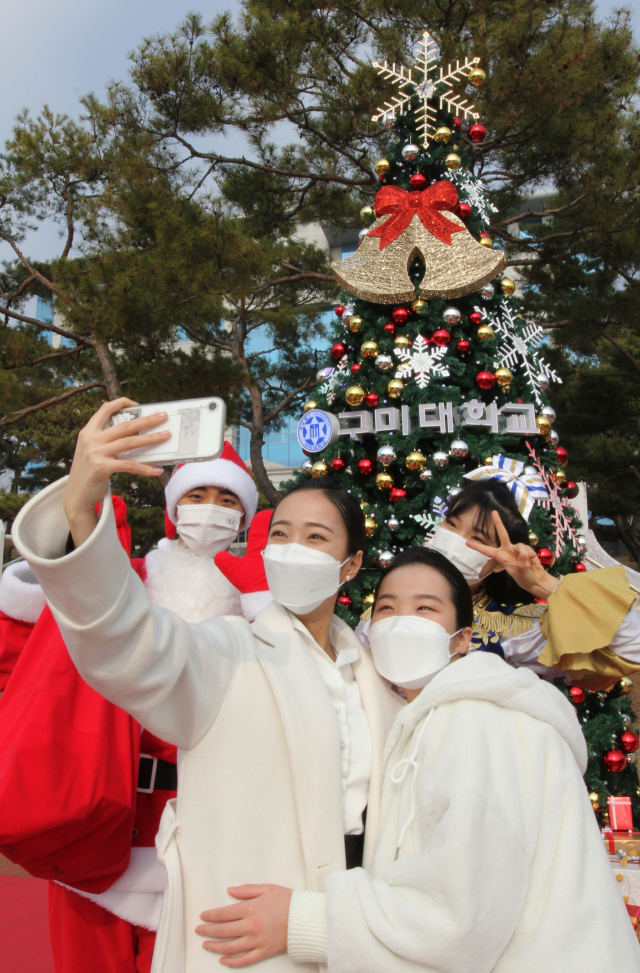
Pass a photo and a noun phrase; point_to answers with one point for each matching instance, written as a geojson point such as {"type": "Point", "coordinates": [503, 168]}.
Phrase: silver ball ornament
{"type": "Point", "coordinates": [454, 491]}
{"type": "Point", "coordinates": [440, 459]}
{"type": "Point", "coordinates": [386, 455]}
{"type": "Point", "coordinates": [530, 471]}
{"type": "Point", "coordinates": [384, 363]}
{"type": "Point", "coordinates": [550, 413]}
{"type": "Point", "coordinates": [410, 152]}
{"type": "Point", "coordinates": [306, 467]}
{"type": "Point", "coordinates": [426, 475]}
{"type": "Point", "coordinates": [582, 540]}
{"type": "Point", "coordinates": [385, 559]}
{"type": "Point", "coordinates": [553, 437]}
{"type": "Point", "coordinates": [348, 313]}
{"type": "Point", "coordinates": [451, 315]}
{"type": "Point", "coordinates": [393, 523]}
{"type": "Point", "coordinates": [459, 449]}
{"type": "Point", "coordinates": [487, 292]}
{"type": "Point", "coordinates": [361, 235]}
{"type": "Point", "coordinates": [632, 759]}
{"type": "Point", "coordinates": [543, 381]}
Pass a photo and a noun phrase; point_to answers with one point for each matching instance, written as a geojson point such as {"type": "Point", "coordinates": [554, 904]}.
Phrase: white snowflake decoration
{"type": "Point", "coordinates": [474, 192]}
{"type": "Point", "coordinates": [428, 522]}
{"type": "Point", "coordinates": [328, 388]}
{"type": "Point", "coordinates": [426, 62]}
{"type": "Point", "coordinates": [423, 360]}
{"type": "Point", "coordinates": [518, 348]}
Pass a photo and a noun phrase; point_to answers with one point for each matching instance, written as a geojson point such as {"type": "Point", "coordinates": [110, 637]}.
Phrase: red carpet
{"type": "Point", "coordinates": [24, 923]}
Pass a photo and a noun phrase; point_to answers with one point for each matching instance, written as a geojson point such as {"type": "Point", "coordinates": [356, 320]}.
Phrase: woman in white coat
{"type": "Point", "coordinates": [279, 724]}
{"type": "Point", "coordinates": [489, 857]}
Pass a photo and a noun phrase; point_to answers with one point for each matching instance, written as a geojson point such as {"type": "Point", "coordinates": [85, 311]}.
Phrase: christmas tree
{"type": "Point", "coordinates": [436, 373]}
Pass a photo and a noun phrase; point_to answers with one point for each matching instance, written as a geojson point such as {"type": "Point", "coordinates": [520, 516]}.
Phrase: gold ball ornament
{"type": "Point", "coordinates": [384, 481]}
{"type": "Point", "coordinates": [544, 426]}
{"type": "Point", "coordinates": [477, 77]}
{"type": "Point", "coordinates": [442, 134]}
{"type": "Point", "coordinates": [416, 461]}
{"type": "Point", "coordinates": [309, 405]}
{"type": "Point", "coordinates": [625, 685]}
{"type": "Point", "coordinates": [504, 378]}
{"type": "Point", "coordinates": [485, 332]}
{"type": "Point", "coordinates": [354, 395]}
{"type": "Point", "coordinates": [355, 323]}
{"type": "Point", "coordinates": [418, 305]}
{"type": "Point", "coordinates": [319, 468]}
{"type": "Point", "coordinates": [489, 461]}
{"type": "Point", "coordinates": [395, 387]}
{"type": "Point", "coordinates": [486, 241]}
{"type": "Point", "coordinates": [364, 505]}
{"type": "Point", "coordinates": [369, 349]}
{"type": "Point", "coordinates": [368, 600]}
{"type": "Point", "coordinates": [382, 166]}
{"type": "Point", "coordinates": [370, 526]}
{"type": "Point", "coordinates": [508, 286]}
{"type": "Point", "coordinates": [559, 477]}
{"type": "Point", "coordinates": [595, 800]}
{"type": "Point", "coordinates": [367, 215]}
{"type": "Point", "coordinates": [453, 161]}
{"type": "Point", "coordinates": [401, 341]}
{"type": "Point", "coordinates": [533, 538]}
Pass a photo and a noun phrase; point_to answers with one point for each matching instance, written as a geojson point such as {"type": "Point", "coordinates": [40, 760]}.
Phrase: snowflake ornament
{"type": "Point", "coordinates": [563, 530]}
{"type": "Point", "coordinates": [428, 522]}
{"type": "Point", "coordinates": [518, 348]}
{"type": "Point", "coordinates": [474, 193]}
{"type": "Point", "coordinates": [328, 388]}
{"type": "Point", "coordinates": [430, 89]}
{"type": "Point", "coordinates": [424, 360]}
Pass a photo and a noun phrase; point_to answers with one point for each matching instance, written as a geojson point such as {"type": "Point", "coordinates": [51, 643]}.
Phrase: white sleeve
{"type": "Point", "coordinates": [626, 641]}
{"type": "Point", "coordinates": [427, 910]}
{"type": "Point", "coordinates": [171, 676]}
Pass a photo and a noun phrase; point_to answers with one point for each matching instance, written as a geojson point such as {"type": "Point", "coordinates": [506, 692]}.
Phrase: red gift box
{"type": "Point", "coordinates": [634, 915]}
{"type": "Point", "coordinates": [620, 818]}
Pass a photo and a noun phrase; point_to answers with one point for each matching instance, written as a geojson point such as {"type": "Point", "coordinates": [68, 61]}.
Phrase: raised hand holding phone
{"type": "Point", "coordinates": [94, 461]}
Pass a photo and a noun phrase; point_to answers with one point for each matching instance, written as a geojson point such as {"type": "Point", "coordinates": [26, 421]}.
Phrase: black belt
{"type": "Point", "coordinates": [156, 775]}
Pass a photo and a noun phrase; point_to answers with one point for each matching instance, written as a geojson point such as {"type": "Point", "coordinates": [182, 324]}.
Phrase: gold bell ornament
{"type": "Point", "coordinates": [419, 223]}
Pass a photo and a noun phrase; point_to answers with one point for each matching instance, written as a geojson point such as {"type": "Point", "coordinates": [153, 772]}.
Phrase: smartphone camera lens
{"type": "Point", "coordinates": [213, 405]}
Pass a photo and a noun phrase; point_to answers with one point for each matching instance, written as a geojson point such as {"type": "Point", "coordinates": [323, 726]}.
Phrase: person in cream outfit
{"type": "Point", "coordinates": [279, 724]}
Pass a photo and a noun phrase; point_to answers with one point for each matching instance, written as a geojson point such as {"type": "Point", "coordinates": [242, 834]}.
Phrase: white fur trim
{"type": "Point", "coordinates": [136, 896]}
{"type": "Point", "coordinates": [253, 602]}
{"type": "Point", "coordinates": [189, 585]}
{"type": "Point", "coordinates": [216, 472]}
{"type": "Point", "coordinates": [21, 597]}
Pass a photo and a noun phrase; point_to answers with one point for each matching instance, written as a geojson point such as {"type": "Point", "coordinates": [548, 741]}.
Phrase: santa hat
{"type": "Point", "coordinates": [228, 472]}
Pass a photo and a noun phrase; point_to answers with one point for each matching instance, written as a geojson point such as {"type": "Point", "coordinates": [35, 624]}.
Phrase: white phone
{"type": "Point", "coordinates": [197, 431]}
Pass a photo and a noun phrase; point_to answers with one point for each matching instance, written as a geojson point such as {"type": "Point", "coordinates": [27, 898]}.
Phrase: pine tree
{"type": "Point", "coordinates": [469, 358]}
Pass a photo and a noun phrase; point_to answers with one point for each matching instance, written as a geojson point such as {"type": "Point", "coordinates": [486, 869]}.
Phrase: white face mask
{"type": "Point", "coordinates": [408, 650]}
{"type": "Point", "coordinates": [207, 528]}
{"type": "Point", "coordinates": [300, 578]}
{"type": "Point", "coordinates": [470, 563]}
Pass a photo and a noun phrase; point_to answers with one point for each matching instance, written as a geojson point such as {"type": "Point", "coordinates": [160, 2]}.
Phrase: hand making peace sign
{"type": "Point", "coordinates": [519, 561]}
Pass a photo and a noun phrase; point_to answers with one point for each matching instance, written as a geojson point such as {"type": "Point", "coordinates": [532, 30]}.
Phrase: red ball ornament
{"type": "Point", "coordinates": [457, 124]}
{"type": "Point", "coordinates": [579, 567]}
{"type": "Point", "coordinates": [340, 310]}
{"type": "Point", "coordinates": [417, 181]}
{"type": "Point", "coordinates": [545, 556]}
{"type": "Point", "coordinates": [337, 464]}
{"type": "Point", "coordinates": [400, 315]}
{"type": "Point", "coordinates": [345, 601]}
{"type": "Point", "coordinates": [562, 455]}
{"type": "Point", "coordinates": [371, 399]}
{"type": "Point", "coordinates": [390, 327]}
{"type": "Point", "coordinates": [485, 380]}
{"type": "Point", "coordinates": [463, 346]}
{"type": "Point", "coordinates": [441, 337]}
{"type": "Point", "coordinates": [615, 761]}
{"type": "Point", "coordinates": [629, 741]}
{"type": "Point", "coordinates": [337, 350]}
{"type": "Point", "coordinates": [381, 178]}
{"type": "Point", "coordinates": [571, 489]}
{"type": "Point", "coordinates": [577, 695]}
{"type": "Point", "coordinates": [355, 368]}
{"type": "Point", "coordinates": [475, 317]}
{"type": "Point", "coordinates": [397, 494]}
{"type": "Point", "coordinates": [477, 133]}
{"type": "Point", "coordinates": [463, 210]}
{"type": "Point", "coordinates": [365, 466]}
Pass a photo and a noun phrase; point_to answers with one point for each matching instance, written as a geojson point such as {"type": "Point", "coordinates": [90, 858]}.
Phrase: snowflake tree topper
{"type": "Point", "coordinates": [423, 360]}
{"type": "Point", "coordinates": [429, 87]}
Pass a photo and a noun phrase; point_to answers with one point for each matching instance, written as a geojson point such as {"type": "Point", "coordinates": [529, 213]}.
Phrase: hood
{"type": "Point", "coordinates": [483, 675]}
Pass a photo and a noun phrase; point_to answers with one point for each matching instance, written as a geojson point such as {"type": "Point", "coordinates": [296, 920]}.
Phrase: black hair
{"type": "Point", "coordinates": [460, 591]}
{"type": "Point", "coordinates": [486, 496]}
{"type": "Point", "coordinates": [346, 505]}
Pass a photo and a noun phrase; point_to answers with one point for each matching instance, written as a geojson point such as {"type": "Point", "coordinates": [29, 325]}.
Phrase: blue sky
{"type": "Point", "coordinates": [54, 51]}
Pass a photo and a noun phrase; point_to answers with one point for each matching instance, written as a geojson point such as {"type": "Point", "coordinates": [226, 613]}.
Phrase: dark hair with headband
{"type": "Point", "coordinates": [347, 506]}
{"type": "Point", "coordinates": [458, 587]}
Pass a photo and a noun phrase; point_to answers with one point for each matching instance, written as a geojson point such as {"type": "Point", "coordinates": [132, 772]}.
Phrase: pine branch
{"type": "Point", "coordinates": [39, 361]}
{"type": "Point", "coordinates": [56, 400]}
{"type": "Point", "coordinates": [47, 326]}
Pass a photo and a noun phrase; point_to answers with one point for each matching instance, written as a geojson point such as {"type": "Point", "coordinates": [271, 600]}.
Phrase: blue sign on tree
{"type": "Point", "coordinates": [316, 430]}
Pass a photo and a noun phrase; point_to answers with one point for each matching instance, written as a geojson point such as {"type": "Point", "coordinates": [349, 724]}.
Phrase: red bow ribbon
{"type": "Point", "coordinates": [427, 203]}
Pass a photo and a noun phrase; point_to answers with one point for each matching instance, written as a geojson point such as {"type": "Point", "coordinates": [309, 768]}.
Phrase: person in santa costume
{"type": "Point", "coordinates": [207, 504]}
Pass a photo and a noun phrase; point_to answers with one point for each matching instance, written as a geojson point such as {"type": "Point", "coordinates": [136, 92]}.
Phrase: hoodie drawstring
{"type": "Point", "coordinates": [405, 763]}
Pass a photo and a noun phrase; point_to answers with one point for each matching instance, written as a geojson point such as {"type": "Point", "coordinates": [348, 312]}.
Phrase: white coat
{"type": "Point", "coordinates": [259, 758]}
{"type": "Point", "coordinates": [501, 867]}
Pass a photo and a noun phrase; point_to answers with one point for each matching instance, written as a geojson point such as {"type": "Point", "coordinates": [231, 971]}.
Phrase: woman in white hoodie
{"type": "Point", "coordinates": [489, 857]}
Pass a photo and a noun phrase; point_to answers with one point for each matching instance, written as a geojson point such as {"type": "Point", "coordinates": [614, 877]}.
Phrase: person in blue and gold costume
{"type": "Point", "coordinates": [582, 625]}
